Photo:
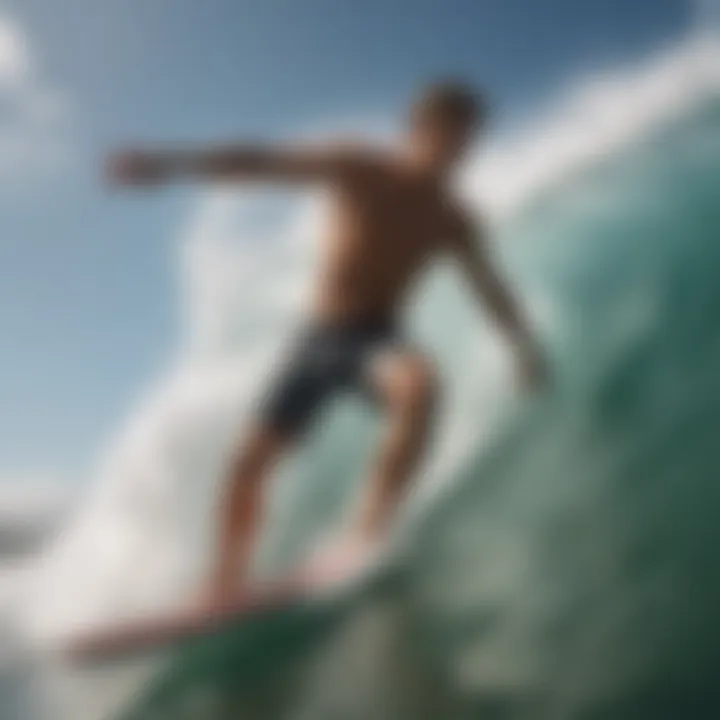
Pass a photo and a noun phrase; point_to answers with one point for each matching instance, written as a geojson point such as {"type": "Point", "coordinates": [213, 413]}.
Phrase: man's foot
{"type": "Point", "coordinates": [218, 596]}
{"type": "Point", "coordinates": [342, 556]}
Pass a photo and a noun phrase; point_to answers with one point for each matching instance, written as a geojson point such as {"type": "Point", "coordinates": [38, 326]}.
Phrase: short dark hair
{"type": "Point", "coordinates": [452, 100]}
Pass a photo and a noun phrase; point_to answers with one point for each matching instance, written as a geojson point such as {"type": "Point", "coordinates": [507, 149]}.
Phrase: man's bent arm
{"type": "Point", "coordinates": [495, 294]}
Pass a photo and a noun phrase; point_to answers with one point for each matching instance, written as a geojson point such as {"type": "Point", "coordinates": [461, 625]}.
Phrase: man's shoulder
{"type": "Point", "coordinates": [361, 154]}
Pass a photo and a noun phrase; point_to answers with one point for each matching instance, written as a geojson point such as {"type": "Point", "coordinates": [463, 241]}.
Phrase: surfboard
{"type": "Point", "coordinates": [158, 631]}
{"type": "Point", "coordinates": [214, 674]}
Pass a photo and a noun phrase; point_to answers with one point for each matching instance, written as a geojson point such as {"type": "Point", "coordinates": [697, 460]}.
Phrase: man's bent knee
{"type": "Point", "coordinates": [415, 386]}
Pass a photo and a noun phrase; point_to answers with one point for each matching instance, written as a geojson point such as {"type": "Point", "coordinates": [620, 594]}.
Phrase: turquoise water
{"type": "Point", "coordinates": [569, 568]}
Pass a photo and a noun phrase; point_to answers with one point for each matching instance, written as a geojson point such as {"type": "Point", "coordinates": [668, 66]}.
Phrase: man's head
{"type": "Point", "coordinates": [444, 120]}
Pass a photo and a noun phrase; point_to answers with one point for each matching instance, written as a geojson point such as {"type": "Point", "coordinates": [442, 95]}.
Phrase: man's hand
{"type": "Point", "coordinates": [136, 168]}
{"type": "Point", "coordinates": [469, 247]}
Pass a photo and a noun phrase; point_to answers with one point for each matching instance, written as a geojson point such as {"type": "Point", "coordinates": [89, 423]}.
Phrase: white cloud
{"type": "Point", "coordinates": [15, 63]}
{"type": "Point", "coordinates": [35, 134]}
{"type": "Point", "coordinates": [31, 499]}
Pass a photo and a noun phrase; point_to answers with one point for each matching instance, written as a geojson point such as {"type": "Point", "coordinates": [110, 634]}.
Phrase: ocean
{"type": "Point", "coordinates": [558, 559]}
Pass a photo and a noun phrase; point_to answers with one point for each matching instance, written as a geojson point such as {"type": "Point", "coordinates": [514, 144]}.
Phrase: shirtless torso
{"type": "Point", "coordinates": [384, 226]}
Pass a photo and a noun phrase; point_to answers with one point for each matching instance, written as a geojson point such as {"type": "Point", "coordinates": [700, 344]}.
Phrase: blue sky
{"type": "Point", "coordinates": [88, 296]}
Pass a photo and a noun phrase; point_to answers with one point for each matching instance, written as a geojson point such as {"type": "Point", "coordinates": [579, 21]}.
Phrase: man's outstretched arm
{"type": "Point", "coordinates": [471, 251]}
{"type": "Point", "coordinates": [233, 163]}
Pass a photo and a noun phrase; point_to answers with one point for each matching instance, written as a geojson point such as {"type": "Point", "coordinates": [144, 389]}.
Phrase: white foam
{"type": "Point", "coordinates": [594, 119]}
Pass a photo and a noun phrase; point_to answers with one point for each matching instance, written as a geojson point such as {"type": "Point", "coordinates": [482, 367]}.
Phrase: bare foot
{"type": "Point", "coordinates": [341, 556]}
{"type": "Point", "coordinates": [217, 596]}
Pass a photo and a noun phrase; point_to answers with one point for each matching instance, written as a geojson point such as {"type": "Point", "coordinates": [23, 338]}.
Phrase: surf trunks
{"type": "Point", "coordinates": [326, 359]}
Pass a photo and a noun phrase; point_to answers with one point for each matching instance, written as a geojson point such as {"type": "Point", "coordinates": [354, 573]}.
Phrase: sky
{"type": "Point", "coordinates": [89, 311]}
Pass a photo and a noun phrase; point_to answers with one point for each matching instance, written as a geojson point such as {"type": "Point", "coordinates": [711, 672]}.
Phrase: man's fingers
{"type": "Point", "coordinates": [133, 168]}
{"type": "Point", "coordinates": [121, 168]}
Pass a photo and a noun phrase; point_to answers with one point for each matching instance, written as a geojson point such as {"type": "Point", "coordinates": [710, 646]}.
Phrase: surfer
{"type": "Point", "coordinates": [392, 213]}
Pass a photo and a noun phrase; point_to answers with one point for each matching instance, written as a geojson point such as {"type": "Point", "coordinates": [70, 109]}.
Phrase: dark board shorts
{"type": "Point", "coordinates": [325, 360]}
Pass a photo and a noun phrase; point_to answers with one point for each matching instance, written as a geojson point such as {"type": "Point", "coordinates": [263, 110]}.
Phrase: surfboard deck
{"type": "Point", "coordinates": [161, 630]}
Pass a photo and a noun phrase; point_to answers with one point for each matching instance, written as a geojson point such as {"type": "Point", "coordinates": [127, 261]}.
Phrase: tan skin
{"type": "Point", "coordinates": [391, 215]}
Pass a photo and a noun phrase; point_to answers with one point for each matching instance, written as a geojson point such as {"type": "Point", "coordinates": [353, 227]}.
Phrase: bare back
{"type": "Point", "coordinates": [385, 224]}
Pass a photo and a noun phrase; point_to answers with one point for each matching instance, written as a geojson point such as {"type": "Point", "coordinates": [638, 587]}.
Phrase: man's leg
{"type": "Point", "coordinates": [407, 385]}
{"type": "Point", "coordinates": [242, 507]}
